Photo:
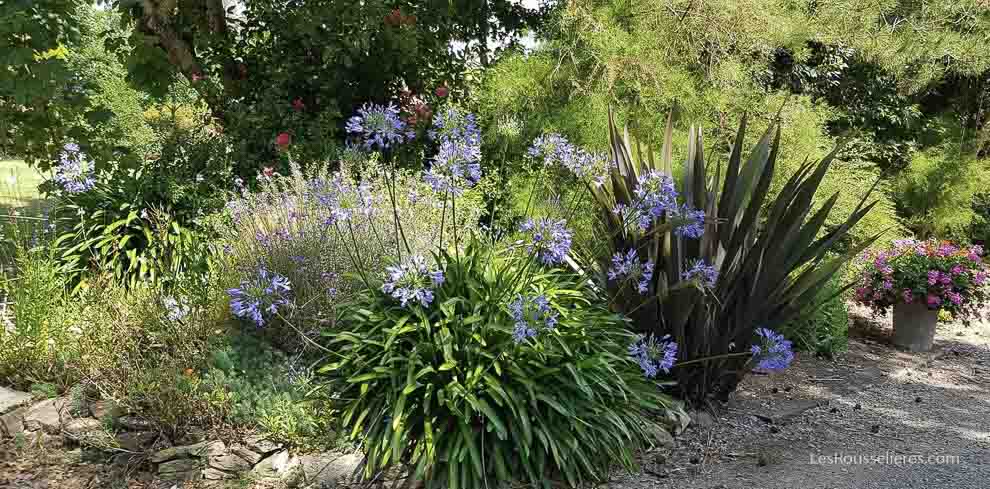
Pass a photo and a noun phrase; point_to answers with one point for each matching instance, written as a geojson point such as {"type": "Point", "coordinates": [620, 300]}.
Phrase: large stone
{"type": "Point", "coordinates": [329, 469]}
{"type": "Point", "coordinates": [12, 423]}
{"type": "Point", "coordinates": [662, 438]}
{"type": "Point", "coordinates": [182, 469]}
{"type": "Point", "coordinates": [676, 420]}
{"type": "Point", "coordinates": [262, 445]}
{"type": "Point", "coordinates": [10, 399]}
{"type": "Point", "coordinates": [279, 466]}
{"type": "Point", "coordinates": [47, 415]}
{"type": "Point", "coordinates": [212, 474]}
{"type": "Point", "coordinates": [230, 463]}
{"type": "Point", "coordinates": [201, 450]}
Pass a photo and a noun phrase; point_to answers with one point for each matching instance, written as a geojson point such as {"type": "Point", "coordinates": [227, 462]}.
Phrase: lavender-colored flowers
{"type": "Point", "coordinates": [412, 280]}
{"type": "Point", "coordinates": [695, 226]}
{"type": "Point", "coordinates": [555, 150]}
{"type": "Point", "coordinates": [72, 172]}
{"type": "Point", "coordinates": [260, 296]}
{"type": "Point", "coordinates": [175, 309]}
{"type": "Point", "coordinates": [654, 356]}
{"type": "Point", "coordinates": [773, 351]}
{"type": "Point", "coordinates": [342, 198]}
{"type": "Point", "coordinates": [630, 267]}
{"type": "Point", "coordinates": [531, 314]}
{"type": "Point", "coordinates": [452, 124]}
{"type": "Point", "coordinates": [551, 240]}
{"type": "Point", "coordinates": [656, 194]}
{"type": "Point", "coordinates": [379, 127]}
{"type": "Point", "coordinates": [705, 274]}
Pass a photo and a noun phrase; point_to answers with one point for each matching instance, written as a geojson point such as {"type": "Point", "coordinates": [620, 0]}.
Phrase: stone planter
{"type": "Point", "coordinates": [914, 326]}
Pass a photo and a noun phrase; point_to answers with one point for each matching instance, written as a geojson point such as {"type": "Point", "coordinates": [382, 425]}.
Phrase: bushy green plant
{"type": "Point", "coordinates": [825, 329]}
{"type": "Point", "coordinates": [457, 393]}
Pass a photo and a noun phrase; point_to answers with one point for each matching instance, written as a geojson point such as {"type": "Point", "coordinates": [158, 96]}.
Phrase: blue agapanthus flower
{"type": "Point", "coordinates": [73, 172]}
{"type": "Point", "coordinates": [379, 127]}
{"type": "Point", "coordinates": [655, 194]}
{"type": "Point", "coordinates": [772, 351]}
{"type": "Point", "coordinates": [454, 168]}
{"type": "Point", "coordinates": [341, 198]}
{"type": "Point", "coordinates": [412, 280]}
{"type": "Point", "coordinates": [705, 274]}
{"type": "Point", "coordinates": [260, 296]}
{"type": "Point", "coordinates": [531, 314]}
{"type": "Point", "coordinates": [654, 356]}
{"type": "Point", "coordinates": [453, 124]}
{"type": "Point", "coordinates": [553, 148]}
{"type": "Point", "coordinates": [550, 240]}
{"type": "Point", "coordinates": [175, 309]}
{"type": "Point", "coordinates": [695, 226]}
{"type": "Point", "coordinates": [628, 266]}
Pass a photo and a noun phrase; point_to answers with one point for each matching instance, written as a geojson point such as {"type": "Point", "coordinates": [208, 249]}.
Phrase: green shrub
{"type": "Point", "coordinates": [825, 330]}
{"type": "Point", "coordinates": [450, 392]}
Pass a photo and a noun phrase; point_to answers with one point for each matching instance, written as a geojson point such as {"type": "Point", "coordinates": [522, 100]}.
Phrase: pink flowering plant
{"type": "Point", "coordinates": [939, 274]}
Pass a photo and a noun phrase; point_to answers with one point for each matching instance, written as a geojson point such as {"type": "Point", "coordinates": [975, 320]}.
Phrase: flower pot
{"type": "Point", "coordinates": [914, 326]}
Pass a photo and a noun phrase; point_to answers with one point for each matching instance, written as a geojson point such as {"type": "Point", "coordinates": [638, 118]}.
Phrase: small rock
{"type": "Point", "coordinates": [262, 445]}
{"type": "Point", "coordinates": [833, 410]}
{"type": "Point", "coordinates": [774, 429]}
{"type": "Point", "coordinates": [330, 469]}
{"type": "Point", "coordinates": [875, 428]}
{"type": "Point", "coordinates": [774, 390]}
{"type": "Point", "coordinates": [181, 465]}
{"type": "Point", "coordinates": [277, 467]}
{"type": "Point", "coordinates": [135, 423]}
{"type": "Point", "coordinates": [12, 423]}
{"type": "Point", "coordinates": [212, 474]}
{"type": "Point", "coordinates": [695, 460]}
{"type": "Point", "coordinates": [917, 399]}
{"type": "Point", "coordinates": [249, 455]}
{"type": "Point", "coordinates": [136, 441]}
{"type": "Point", "coordinates": [192, 436]}
{"type": "Point", "coordinates": [788, 389]}
{"type": "Point", "coordinates": [204, 449]}
{"type": "Point", "coordinates": [662, 438]}
{"type": "Point", "coordinates": [858, 406]}
{"type": "Point", "coordinates": [47, 415]}
{"type": "Point", "coordinates": [703, 419]}
{"type": "Point", "coordinates": [230, 463]}
{"type": "Point", "coordinates": [105, 410]}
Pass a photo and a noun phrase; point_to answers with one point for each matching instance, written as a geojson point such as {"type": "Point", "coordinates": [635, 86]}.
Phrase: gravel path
{"type": "Point", "coordinates": [872, 418]}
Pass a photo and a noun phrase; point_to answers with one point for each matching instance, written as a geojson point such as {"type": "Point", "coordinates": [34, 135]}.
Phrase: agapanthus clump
{"type": "Point", "coordinates": [531, 314]}
{"type": "Point", "coordinates": [73, 172]}
{"type": "Point", "coordinates": [653, 355]}
{"type": "Point", "coordinates": [412, 280]}
{"type": "Point", "coordinates": [629, 267]}
{"type": "Point", "coordinates": [340, 198]}
{"type": "Point", "coordinates": [772, 351]}
{"type": "Point", "coordinates": [702, 272]}
{"type": "Point", "coordinates": [379, 127]}
{"type": "Point", "coordinates": [940, 275]}
{"type": "Point", "coordinates": [457, 164]}
{"type": "Point", "coordinates": [259, 297]}
{"type": "Point", "coordinates": [550, 240]}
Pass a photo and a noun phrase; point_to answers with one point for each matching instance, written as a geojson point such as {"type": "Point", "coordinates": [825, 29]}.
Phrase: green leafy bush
{"type": "Point", "coordinates": [452, 391]}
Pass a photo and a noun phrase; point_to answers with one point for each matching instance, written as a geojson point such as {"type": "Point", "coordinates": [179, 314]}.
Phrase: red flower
{"type": "Point", "coordinates": [443, 91]}
{"type": "Point", "coordinates": [298, 104]}
{"type": "Point", "coordinates": [196, 76]}
{"type": "Point", "coordinates": [268, 171]}
{"type": "Point", "coordinates": [283, 140]}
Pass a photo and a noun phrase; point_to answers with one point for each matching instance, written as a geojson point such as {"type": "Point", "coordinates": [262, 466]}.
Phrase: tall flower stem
{"type": "Point", "coordinates": [395, 208]}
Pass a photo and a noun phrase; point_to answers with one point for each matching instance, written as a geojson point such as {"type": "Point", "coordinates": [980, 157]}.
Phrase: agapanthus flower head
{"type": "Point", "coordinates": [656, 194]}
{"type": "Point", "coordinates": [771, 351]}
{"type": "Point", "coordinates": [695, 226]}
{"type": "Point", "coordinates": [628, 266]}
{"type": "Point", "coordinates": [342, 198]}
{"type": "Point", "coordinates": [260, 296]}
{"type": "Point", "coordinates": [412, 281]}
{"type": "Point", "coordinates": [553, 148]}
{"type": "Point", "coordinates": [379, 127]}
{"type": "Point", "coordinates": [453, 124]}
{"type": "Point", "coordinates": [531, 315]}
{"type": "Point", "coordinates": [74, 172]}
{"type": "Point", "coordinates": [700, 270]}
{"type": "Point", "coordinates": [653, 355]}
{"type": "Point", "coordinates": [550, 240]}
{"type": "Point", "coordinates": [454, 168]}
{"type": "Point", "coordinates": [175, 309]}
